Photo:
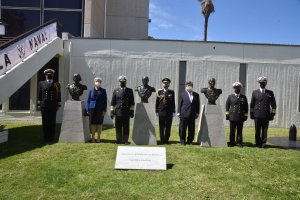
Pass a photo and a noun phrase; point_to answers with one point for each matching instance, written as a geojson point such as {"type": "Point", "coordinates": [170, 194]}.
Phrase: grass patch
{"type": "Point", "coordinates": [32, 169]}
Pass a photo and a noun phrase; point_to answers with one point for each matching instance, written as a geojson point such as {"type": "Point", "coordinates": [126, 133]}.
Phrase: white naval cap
{"type": "Point", "coordinates": [122, 78]}
{"type": "Point", "coordinates": [237, 84]}
{"type": "Point", "coordinates": [49, 71]}
{"type": "Point", "coordinates": [262, 79]}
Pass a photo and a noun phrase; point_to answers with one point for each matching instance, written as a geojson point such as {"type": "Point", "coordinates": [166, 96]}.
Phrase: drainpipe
{"type": "Point", "coordinates": [104, 24]}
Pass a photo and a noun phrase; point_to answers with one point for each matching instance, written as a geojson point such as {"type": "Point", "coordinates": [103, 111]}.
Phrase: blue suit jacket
{"type": "Point", "coordinates": [97, 101]}
{"type": "Point", "coordinates": [186, 108]}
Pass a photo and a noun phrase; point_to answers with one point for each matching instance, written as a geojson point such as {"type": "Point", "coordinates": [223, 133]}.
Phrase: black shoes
{"type": "Point", "coordinates": [239, 145]}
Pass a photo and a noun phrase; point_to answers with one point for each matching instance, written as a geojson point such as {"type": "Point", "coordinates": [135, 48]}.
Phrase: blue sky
{"type": "Point", "coordinates": [257, 21]}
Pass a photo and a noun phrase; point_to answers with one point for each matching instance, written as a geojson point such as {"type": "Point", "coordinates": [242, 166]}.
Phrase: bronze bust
{"type": "Point", "coordinates": [211, 93]}
{"type": "Point", "coordinates": [76, 89]}
{"type": "Point", "coordinates": [145, 90]}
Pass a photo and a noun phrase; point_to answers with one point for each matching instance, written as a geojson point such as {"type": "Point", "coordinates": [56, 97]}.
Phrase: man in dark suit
{"type": "Point", "coordinates": [49, 99]}
{"type": "Point", "coordinates": [165, 110]}
{"type": "Point", "coordinates": [188, 112]}
{"type": "Point", "coordinates": [260, 110]}
{"type": "Point", "coordinates": [236, 113]}
{"type": "Point", "coordinates": [122, 106]}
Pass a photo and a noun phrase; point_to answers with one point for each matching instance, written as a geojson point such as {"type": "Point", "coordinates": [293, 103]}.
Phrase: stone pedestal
{"type": "Point", "coordinates": [211, 131]}
{"type": "Point", "coordinates": [143, 130]}
{"type": "Point", "coordinates": [3, 136]}
{"type": "Point", "coordinates": [75, 126]}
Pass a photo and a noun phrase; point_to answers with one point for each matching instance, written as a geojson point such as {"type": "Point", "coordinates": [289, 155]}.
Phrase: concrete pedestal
{"type": "Point", "coordinates": [75, 126]}
{"type": "Point", "coordinates": [143, 130]}
{"type": "Point", "coordinates": [211, 131]}
{"type": "Point", "coordinates": [3, 136]}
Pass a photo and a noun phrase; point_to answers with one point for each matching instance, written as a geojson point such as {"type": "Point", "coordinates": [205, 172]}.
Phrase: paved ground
{"type": "Point", "coordinates": [285, 142]}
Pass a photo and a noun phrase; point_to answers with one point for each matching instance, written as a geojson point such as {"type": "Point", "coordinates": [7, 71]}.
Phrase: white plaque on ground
{"type": "Point", "coordinates": [148, 158]}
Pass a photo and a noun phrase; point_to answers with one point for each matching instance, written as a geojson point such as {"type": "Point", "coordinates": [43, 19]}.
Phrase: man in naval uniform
{"type": "Point", "coordinates": [165, 110]}
{"type": "Point", "coordinates": [260, 110]}
{"type": "Point", "coordinates": [122, 107]}
{"type": "Point", "coordinates": [236, 113]}
{"type": "Point", "coordinates": [49, 99]}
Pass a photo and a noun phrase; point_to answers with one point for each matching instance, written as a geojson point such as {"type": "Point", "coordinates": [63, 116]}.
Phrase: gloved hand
{"type": "Point", "coordinates": [178, 115]}
{"type": "Point", "coordinates": [252, 115]}
{"type": "Point", "coordinates": [227, 116]}
{"type": "Point", "coordinates": [272, 116]}
{"type": "Point", "coordinates": [131, 113]}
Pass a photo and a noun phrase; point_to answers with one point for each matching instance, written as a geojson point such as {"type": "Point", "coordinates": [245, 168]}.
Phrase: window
{"type": "Point", "coordinates": [20, 21]}
{"type": "Point", "coordinates": [71, 20]}
{"type": "Point", "coordinates": [20, 100]}
{"type": "Point", "coordinates": [21, 3]}
{"type": "Point", "coordinates": [23, 15]}
{"type": "Point", "coordinates": [73, 4]}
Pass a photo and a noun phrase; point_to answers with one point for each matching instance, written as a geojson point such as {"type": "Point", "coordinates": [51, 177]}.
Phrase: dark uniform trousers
{"type": "Point", "coordinates": [165, 123]}
{"type": "Point", "coordinates": [237, 112]}
{"type": "Point", "coordinates": [122, 105]}
{"type": "Point", "coordinates": [49, 98]}
{"type": "Point", "coordinates": [261, 130]}
{"type": "Point", "coordinates": [49, 123]}
{"type": "Point", "coordinates": [122, 129]}
{"type": "Point", "coordinates": [165, 107]}
{"type": "Point", "coordinates": [261, 104]}
{"type": "Point", "coordinates": [238, 126]}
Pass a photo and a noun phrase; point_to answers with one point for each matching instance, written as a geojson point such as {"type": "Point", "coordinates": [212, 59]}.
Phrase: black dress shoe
{"type": "Point", "coordinates": [167, 142]}
{"type": "Point", "coordinates": [231, 145]}
{"type": "Point", "coordinates": [239, 145]}
{"type": "Point", "coordinates": [264, 145]}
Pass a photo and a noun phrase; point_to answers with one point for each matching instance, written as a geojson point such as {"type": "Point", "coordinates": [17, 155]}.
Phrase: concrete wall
{"type": "Point", "coordinates": [94, 18]}
{"type": "Point", "coordinates": [127, 19]}
{"type": "Point", "coordinates": [159, 59]}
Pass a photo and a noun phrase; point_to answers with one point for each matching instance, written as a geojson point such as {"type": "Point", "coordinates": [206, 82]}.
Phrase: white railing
{"type": "Point", "coordinates": [16, 52]}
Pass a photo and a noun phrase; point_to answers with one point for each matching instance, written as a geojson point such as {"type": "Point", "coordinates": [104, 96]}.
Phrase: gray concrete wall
{"type": "Point", "coordinates": [159, 59]}
{"type": "Point", "coordinates": [94, 18]}
{"type": "Point", "coordinates": [127, 19]}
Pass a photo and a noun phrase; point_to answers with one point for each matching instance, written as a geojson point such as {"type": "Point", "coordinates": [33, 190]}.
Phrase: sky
{"type": "Point", "coordinates": [249, 21]}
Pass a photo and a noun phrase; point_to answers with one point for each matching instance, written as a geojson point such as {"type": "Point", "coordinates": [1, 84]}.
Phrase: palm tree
{"type": "Point", "coordinates": [207, 7]}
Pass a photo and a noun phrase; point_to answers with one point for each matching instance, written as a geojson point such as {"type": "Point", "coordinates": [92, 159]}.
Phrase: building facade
{"type": "Point", "coordinates": [81, 18]}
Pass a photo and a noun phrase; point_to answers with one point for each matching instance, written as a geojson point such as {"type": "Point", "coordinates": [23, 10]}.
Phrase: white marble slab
{"type": "Point", "coordinates": [146, 158]}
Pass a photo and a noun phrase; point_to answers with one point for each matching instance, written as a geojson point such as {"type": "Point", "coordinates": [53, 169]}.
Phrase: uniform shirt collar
{"type": "Point", "coordinates": [49, 81]}
{"type": "Point", "coordinates": [261, 90]}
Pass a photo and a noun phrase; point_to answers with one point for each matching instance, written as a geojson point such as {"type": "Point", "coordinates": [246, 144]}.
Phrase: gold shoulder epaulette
{"type": "Point", "coordinates": [159, 91]}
